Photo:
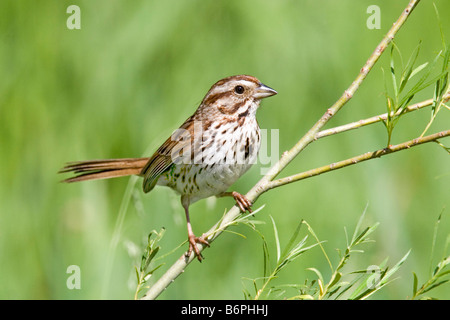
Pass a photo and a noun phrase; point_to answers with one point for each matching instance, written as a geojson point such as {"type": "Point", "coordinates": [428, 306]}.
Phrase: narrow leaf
{"type": "Point", "coordinates": [435, 285]}
{"type": "Point", "coordinates": [277, 239]}
{"type": "Point", "coordinates": [417, 70]}
{"type": "Point", "coordinates": [415, 282]}
{"type": "Point", "coordinates": [291, 242]}
{"type": "Point", "coordinates": [317, 272]}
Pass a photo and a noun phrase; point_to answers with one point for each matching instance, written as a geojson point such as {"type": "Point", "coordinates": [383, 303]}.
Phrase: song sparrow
{"type": "Point", "coordinates": [204, 157]}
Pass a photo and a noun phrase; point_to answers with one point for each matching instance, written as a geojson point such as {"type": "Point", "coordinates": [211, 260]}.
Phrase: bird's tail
{"type": "Point", "coordinates": [104, 169]}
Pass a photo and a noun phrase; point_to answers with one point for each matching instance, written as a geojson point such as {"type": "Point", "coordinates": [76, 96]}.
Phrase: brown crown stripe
{"type": "Point", "coordinates": [241, 77]}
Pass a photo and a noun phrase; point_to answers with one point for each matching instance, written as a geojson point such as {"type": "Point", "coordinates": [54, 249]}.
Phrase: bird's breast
{"type": "Point", "coordinates": [222, 155]}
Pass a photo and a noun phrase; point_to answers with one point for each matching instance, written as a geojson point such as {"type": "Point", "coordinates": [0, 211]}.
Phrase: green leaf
{"type": "Point", "coordinates": [292, 240]}
{"type": "Point", "coordinates": [443, 263]}
{"type": "Point", "coordinates": [277, 239]}
{"type": "Point", "coordinates": [421, 84]}
{"type": "Point", "coordinates": [415, 284]}
{"type": "Point", "coordinates": [398, 265]}
{"type": "Point", "coordinates": [137, 274]}
{"type": "Point", "coordinates": [337, 276]}
{"type": "Point", "coordinates": [154, 269]}
{"type": "Point", "coordinates": [362, 237]}
{"type": "Point", "coordinates": [266, 257]}
{"type": "Point", "coordinates": [392, 65]}
{"type": "Point", "coordinates": [417, 70]}
{"type": "Point", "coordinates": [435, 285]}
{"type": "Point", "coordinates": [408, 72]}
{"type": "Point", "coordinates": [317, 272]}
{"type": "Point", "coordinates": [366, 289]}
{"type": "Point", "coordinates": [359, 223]}
{"type": "Point", "coordinates": [311, 231]}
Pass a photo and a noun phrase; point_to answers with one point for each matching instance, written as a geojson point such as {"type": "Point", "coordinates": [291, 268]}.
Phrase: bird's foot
{"type": "Point", "coordinates": [243, 203]}
{"type": "Point", "coordinates": [193, 240]}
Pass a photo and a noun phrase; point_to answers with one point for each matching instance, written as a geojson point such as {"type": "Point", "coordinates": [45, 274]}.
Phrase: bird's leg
{"type": "Point", "coordinates": [243, 203]}
{"type": "Point", "coordinates": [192, 239]}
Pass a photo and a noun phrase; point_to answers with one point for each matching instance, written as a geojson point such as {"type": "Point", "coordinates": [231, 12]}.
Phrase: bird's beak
{"type": "Point", "coordinates": [264, 91]}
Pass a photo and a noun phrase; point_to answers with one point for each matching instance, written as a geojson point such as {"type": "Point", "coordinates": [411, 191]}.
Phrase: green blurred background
{"type": "Point", "coordinates": [135, 71]}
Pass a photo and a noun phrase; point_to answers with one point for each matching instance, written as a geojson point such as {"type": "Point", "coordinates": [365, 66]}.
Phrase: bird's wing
{"type": "Point", "coordinates": [176, 149]}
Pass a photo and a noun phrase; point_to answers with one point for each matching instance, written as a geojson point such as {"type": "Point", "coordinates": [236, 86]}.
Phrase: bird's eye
{"type": "Point", "coordinates": [239, 89]}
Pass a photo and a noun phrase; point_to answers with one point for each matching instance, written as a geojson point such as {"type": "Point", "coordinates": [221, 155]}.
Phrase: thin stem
{"type": "Point", "coordinates": [375, 119]}
{"type": "Point", "coordinates": [351, 161]}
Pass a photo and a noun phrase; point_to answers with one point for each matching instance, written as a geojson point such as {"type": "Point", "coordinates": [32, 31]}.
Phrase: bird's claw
{"type": "Point", "coordinates": [193, 240]}
{"type": "Point", "coordinates": [243, 203]}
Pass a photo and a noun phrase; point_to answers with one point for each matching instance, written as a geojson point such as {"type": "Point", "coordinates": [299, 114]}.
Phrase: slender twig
{"type": "Point", "coordinates": [375, 119]}
{"type": "Point", "coordinates": [178, 267]}
{"type": "Point", "coordinates": [354, 160]}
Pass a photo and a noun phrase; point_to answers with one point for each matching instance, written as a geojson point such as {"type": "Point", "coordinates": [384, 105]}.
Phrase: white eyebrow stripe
{"type": "Point", "coordinates": [245, 83]}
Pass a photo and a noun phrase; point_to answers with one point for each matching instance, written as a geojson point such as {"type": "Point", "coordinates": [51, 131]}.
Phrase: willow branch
{"type": "Point", "coordinates": [375, 119]}
{"type": "Point", "coordinates": [354, 160]}
{"type": "Point", "coordinates": [178, 267]}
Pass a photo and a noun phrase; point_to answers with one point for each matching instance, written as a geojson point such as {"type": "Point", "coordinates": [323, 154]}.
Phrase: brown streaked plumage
{"type": "Point", "coordinates": [205, 156]}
